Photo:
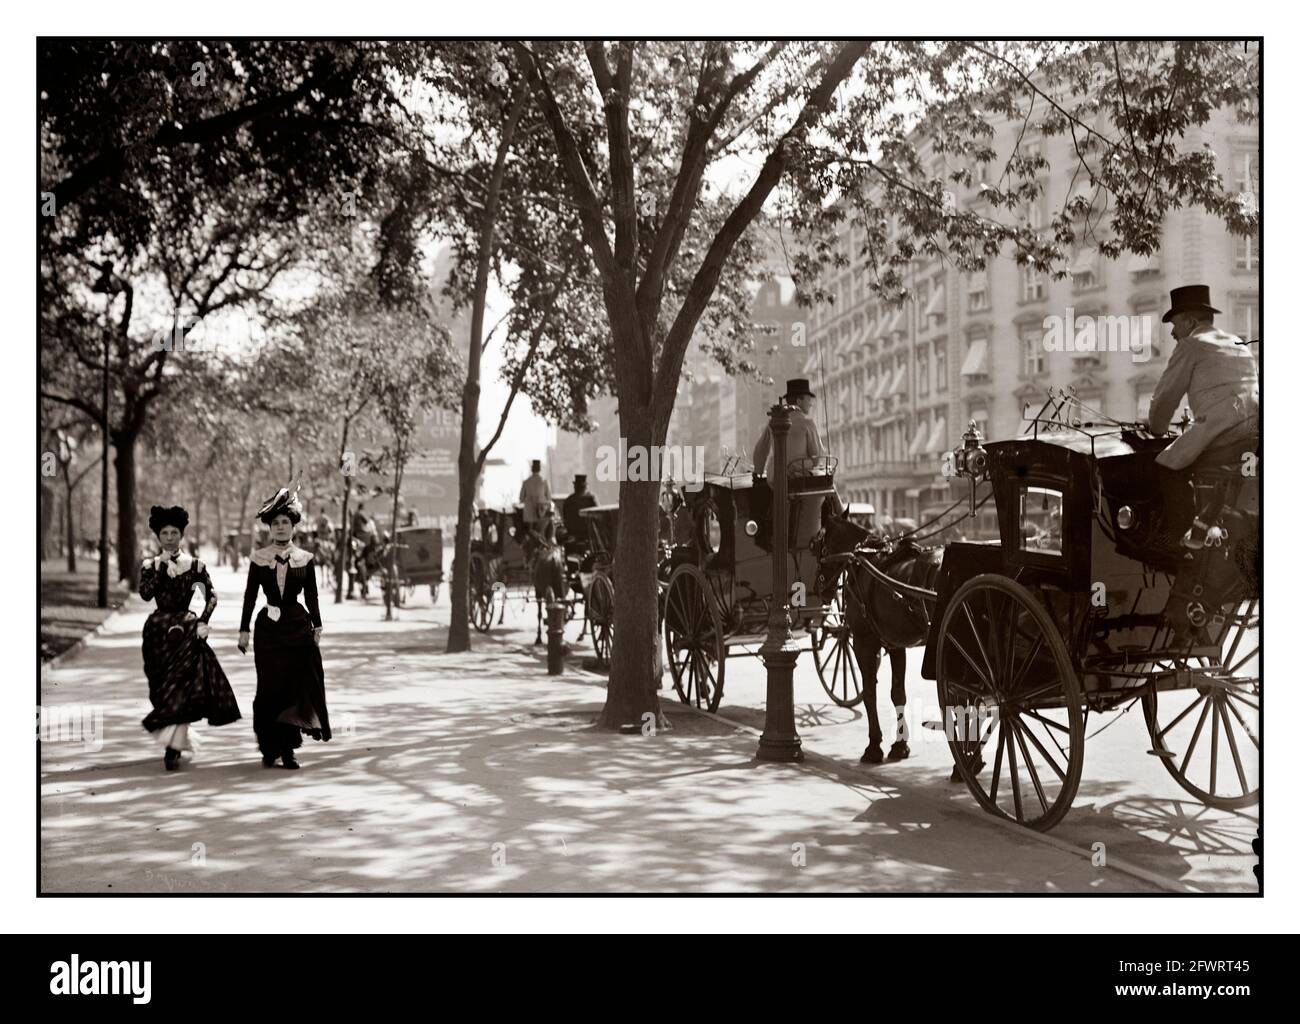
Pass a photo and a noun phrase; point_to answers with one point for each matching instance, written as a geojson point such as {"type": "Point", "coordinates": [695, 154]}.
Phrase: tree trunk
{"type": "Point", "coordinates": [124, 467]}
{"type": "Point", "coordinates": [345, 527]}
{"type": "Point", "coordinates": [458, 631]}
{"type": "Point", "coordinates": [221, 537]}
{"type": "Point", "coordinates": [70, 533]}
{"type": "Point", "coordinates": [390, 591]}
{"type": "Point", "coordinates": [636, 663]}
{"type": "Point", "coordinates": [49, 503]}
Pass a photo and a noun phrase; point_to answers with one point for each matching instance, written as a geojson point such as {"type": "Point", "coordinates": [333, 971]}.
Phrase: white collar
{"type": "Point", "coordinates": [266, 556]}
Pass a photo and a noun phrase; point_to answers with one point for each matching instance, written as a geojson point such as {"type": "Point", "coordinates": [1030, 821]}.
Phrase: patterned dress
{"type": "Point", "coordinates": [186, 682]}
{"type": "Point", "coordinates": [290, 697]}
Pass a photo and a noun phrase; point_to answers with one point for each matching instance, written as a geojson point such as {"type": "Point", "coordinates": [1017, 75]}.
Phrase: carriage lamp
{"type": "Point", "coordinates": [971, 460]}
{"type": "Point", "coordinates": [751, 528]}
{"type": "Point", "coordinates": [1125, 518]}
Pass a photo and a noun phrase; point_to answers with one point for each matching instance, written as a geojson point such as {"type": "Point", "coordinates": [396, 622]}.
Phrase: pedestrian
{"type": "Point", "coordinates": [290, 699]}
{"type": "Point", "coordinates": [186, 682]}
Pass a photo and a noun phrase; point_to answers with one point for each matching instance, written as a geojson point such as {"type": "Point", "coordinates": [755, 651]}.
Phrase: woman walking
{"type": "Point", "coordinates": [290, 696]}
{"type": "Point", "coordinates": [186, 682]}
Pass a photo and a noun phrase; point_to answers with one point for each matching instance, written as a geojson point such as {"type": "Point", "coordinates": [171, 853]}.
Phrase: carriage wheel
{"type": "Point", "coordinates": [833, 652]}
{"type": "Point", "coordinates": [481, 607]}
{"type": "Point", "coordinates": [1004, 675]}
{"type": "Point", "coordinates": [1211, 731]}
{"type": "Point", "coordinates": [697, 656]}
{"type": "Point", "coordinates": [600, 612]}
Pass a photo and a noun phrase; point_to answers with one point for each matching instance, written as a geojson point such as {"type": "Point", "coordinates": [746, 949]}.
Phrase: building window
{"type": "Point", "coordinates": [922, 371]}
{"type": "Point", "coordinates": [941, 366]}
{"type": "Point", "coordinates": [977, 291]}
{"type": "Point", "coordinates": [1035, 358]}
{"type": "Point", "coordinates": [1245, 170]}
{"type": "Point", "coordinates": [1032, 288]}
{"type": "Point", "coordinates": [981, 417]}
{"type": "Point", "coordinates": [1246, 253]}
{"type": "Point", "coordinates": [1085, 269]}
{"type": "Point", "coordinates": [1245, 318]}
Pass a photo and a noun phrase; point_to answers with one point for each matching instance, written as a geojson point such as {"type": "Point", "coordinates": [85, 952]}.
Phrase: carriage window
{"type": "Point", "coordinates": [1040, 520]}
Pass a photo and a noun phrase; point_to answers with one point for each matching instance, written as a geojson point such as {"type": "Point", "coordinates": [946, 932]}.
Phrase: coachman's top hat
{"type": "Point", "coordinates": [579, 479]}
{"type": "Point", "coordinates": [1191, 298]}
{"type": "Point", "coordinates": [797, 388]}
{"type": "Point", "coordinates": [537, 465]}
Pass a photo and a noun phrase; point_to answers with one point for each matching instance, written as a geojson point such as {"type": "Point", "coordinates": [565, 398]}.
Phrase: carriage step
{"type": "Point", "coordinates": [1168, 755]}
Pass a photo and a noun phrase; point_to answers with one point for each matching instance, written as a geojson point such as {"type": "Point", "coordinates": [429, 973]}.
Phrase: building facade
{"type": "Point", "coordinates": [903, 382]}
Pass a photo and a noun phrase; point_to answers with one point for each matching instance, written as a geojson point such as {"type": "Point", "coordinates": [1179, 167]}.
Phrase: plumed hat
{"type": "Point", "coordinates": [285, 501]}
{"type": "Point", "coordinates": [174, 516]}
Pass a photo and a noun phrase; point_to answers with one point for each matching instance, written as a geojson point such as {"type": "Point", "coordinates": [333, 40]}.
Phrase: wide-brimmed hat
{"type": "Point", "coordinates": [1191, 298]}
{"type": "Point", "coordinates": [175, 516]}
{"type": "Point", "coordinates": [797, 388]}
{"type": "Point", "coordinates": [283, 502]}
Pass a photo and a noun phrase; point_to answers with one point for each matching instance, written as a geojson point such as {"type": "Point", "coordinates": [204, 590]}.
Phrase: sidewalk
{"type": "Point", "coordinates": [479, 773]}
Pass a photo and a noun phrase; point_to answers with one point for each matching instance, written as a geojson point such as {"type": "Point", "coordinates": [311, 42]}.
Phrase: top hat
{"type": "Point", "coordinates": [1191, 298]}
{"type": "Point", "coordinates": [537, 465]}
{"type": "Point", "coordinates": [579, 479]}
{"type": "Point", "coordinates": [797, 388]}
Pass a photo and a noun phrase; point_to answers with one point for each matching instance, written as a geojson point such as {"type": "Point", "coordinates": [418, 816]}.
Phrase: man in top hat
{"type": "Point", "coordinates": [1219, 376]}
{"type": "Point", "coordinates": [535, 496]}
{"type": "Point", "coordinates": [575, 527]}
{"type": "Point", "coordinates": [802, 441]}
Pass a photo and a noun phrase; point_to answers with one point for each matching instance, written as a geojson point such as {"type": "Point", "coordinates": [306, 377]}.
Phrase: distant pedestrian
{"type": "Point", "coordinates": [186, 682]}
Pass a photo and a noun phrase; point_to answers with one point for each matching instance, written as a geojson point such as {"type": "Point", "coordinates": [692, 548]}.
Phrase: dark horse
{"type": "Point", "coordinates": [549, 580]}
{"type": "Point", "coordinates": [880, 617]}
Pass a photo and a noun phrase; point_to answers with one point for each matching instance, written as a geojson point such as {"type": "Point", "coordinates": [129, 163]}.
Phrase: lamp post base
{"type": "Point", "coordinates": [780, 740]}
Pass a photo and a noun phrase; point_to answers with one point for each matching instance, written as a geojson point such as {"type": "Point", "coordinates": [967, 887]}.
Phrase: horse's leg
{"type": "Point", "coordinates": [866, 647]}
{"type": "Point", "coordinates": [898, 694]}
{"type": "Point", "coordinates": [540, 602]}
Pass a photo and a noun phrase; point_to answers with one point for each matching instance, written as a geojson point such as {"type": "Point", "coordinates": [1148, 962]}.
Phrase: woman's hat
{"type": "Point", "coordinates": [283, 502]}
{"type": "Point", "coordinates": [174, 516]}
{"type": "Point", "coordinates": [797, 388]}
{"type": "Point", "coordinates": [1191, 298]}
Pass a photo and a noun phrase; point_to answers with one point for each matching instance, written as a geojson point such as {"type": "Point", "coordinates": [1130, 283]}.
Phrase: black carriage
{"type": "Point", "coordinates": [499, 568]}
{"type": "Point", "coordinates": [598, 575]}
{"type": "Point", "coordinates": [419, 561]}
{"type": "Point", "coordinates": [719, 594]}
{"type": "Point", "coordinates": [1083, 606]}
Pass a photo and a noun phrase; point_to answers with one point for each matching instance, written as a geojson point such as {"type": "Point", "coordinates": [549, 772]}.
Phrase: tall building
{"type": "Point", "coordinates": [902, 382]}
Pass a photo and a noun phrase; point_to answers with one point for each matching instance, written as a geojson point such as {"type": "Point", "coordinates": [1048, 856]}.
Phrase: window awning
{"type": "Point", "coordinates": [873, 329]}
{"type": "Point", "coordinates": [898, 386]}
{"type": "Point", "coordinates": [912, 492]}
{"type": "Point", "coordinates": [938, 436]}
{"type": "Point", "coordinates": [882, 386]}
{"type": "Point", "coordinates": [1086, 262]}
{"type": "Point", "coordinates": [979, 282]}
{"type": "Point", "coordinates": [938, 304]}
{"type": "Point", "coordinates": [897, 322]}
{"type": "Point", "coordinates": [977, 358]}
{"type": "Point", "coordinates": [1142, 264]}
{"type": "Point", "coordinates": [918, 439]}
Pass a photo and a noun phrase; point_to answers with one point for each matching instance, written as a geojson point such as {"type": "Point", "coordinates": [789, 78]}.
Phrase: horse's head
{"type": "Point", "coordinates": [842, 534]}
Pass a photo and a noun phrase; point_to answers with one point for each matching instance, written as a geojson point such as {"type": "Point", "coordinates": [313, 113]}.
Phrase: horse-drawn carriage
{"type": "Point", "coordinates": [419, 561]}
{"type": "Point", "coordinates": [719, 594]}
{"type": "Point", "coordinates": [500, 567]}
{"type": "Point", "coordinates": [1084, 606]}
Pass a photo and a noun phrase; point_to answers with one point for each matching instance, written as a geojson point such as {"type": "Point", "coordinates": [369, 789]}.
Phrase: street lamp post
{"type": "Point", "coordinates": [780, 741]}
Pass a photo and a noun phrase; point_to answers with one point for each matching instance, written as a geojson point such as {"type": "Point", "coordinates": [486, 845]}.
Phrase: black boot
{"type": "Point", "coordinates": [288, 760]}
{"type": "Point", "coordinates": [268, 760]}
{"type": "Point", "coordinates": [172, 759]}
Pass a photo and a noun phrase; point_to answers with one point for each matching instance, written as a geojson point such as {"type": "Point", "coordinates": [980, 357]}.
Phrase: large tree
{"type": "Point", "coordinates": [643, 129]}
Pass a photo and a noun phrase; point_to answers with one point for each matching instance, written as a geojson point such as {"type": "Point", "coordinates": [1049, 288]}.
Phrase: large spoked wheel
{"type": "Point", "coordinates": [1011, 702]}
{"type": "Point", "coordinates": [480, 593]}
{"type": "Point", "coordinates": [1208, 736]}
{"type": "Point", "coordinates": [833, 652]}
{"type": "Point", "coordinates": [600, 612]}
{"type": "Point", "coordinates": [697, 656]}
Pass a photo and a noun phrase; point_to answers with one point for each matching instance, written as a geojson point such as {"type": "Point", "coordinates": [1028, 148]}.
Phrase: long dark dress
{"type": "Point", "coordinates": [186, 682]}
{"type": "Point", "coordinates": [290, 696]}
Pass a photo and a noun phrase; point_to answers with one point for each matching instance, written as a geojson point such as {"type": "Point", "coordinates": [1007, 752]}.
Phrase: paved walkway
{"type": "Point", "coordinates": [479, 773]}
